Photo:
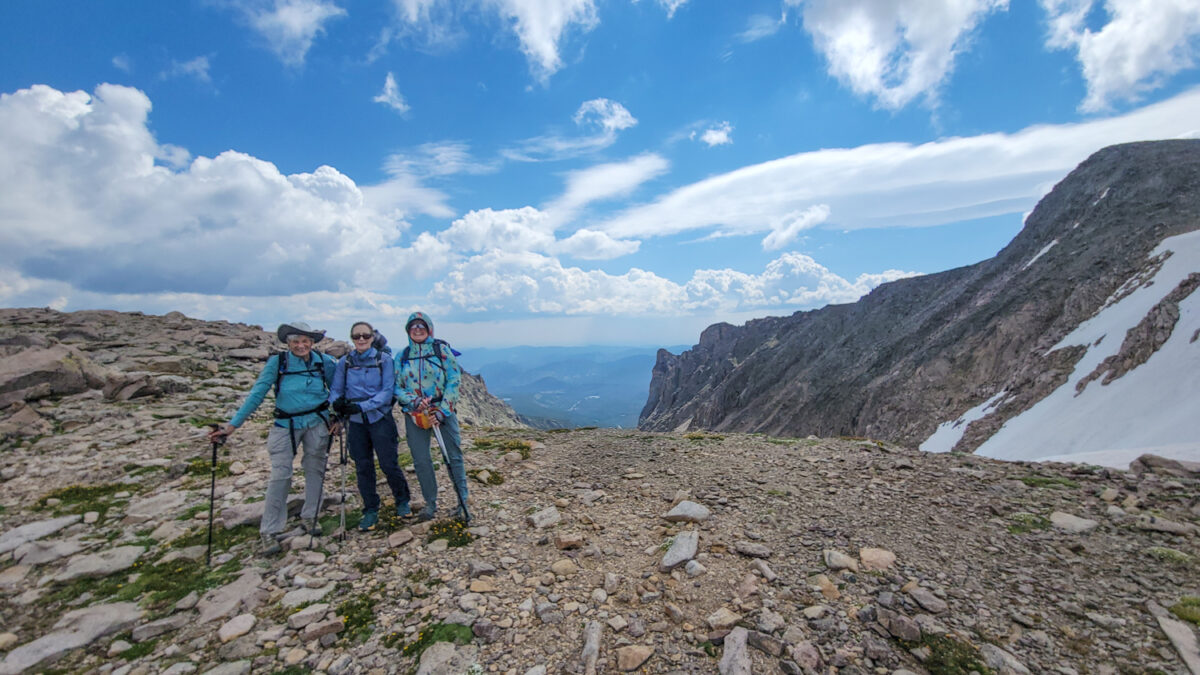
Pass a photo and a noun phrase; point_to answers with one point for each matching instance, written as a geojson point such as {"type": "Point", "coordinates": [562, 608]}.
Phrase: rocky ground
{"type": "Point", "coordinates": [590, 551]}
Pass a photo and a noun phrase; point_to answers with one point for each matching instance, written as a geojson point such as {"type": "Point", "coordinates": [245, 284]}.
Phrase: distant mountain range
{"type": "Point", "coordinates": [567, 386]}
{"type": "Point", "coordinates": [1079, 338]}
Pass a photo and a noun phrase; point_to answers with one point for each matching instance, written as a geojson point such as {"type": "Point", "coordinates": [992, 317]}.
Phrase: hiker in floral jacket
{"type": "Point", "coordinates": [427, 382]}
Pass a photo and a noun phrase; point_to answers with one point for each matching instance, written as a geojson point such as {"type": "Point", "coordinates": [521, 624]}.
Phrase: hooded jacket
{"type": "Point", "coordinates": [424, 374]}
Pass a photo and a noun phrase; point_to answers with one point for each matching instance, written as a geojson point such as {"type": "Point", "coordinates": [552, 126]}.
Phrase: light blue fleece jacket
{"type": "Point", "coordinates": [361, 382]}
{"type": "Point", "coordinates": [298, 389]}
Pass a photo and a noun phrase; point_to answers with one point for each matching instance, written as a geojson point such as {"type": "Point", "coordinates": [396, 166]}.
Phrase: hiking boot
{"type": "Point", "coordinates": [403, 510]}
{"type": "Point", "coordinates": [426, 513]}
{"type": "Point", "coordinates": [294, 532]}
{"type": "Point", "coordinates": [369, 519]}
{"type": "Point", "coordinates": [270, 546]}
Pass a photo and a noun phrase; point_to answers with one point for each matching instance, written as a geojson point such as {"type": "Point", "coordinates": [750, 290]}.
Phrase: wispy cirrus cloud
{"type": "Point", "coordinates": [197, 68]}
{"type": "Point", "coordinates": [391, 96]}
{"type": "Point", "coordinates": [760, 26]}
{"type": "Point", "coordinates": [289, 26]}
{"type": "Point", "coordinates": [1143, 43]}
{"type": "Point", "coordinates": [601, 118]}
{"type": "Point", "coordinates": [897, 184]}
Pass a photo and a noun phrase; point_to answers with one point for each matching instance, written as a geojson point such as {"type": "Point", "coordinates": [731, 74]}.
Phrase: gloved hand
{"type": "Point", "coordinates": [339, 407]}
{"type": "Point", "coordinates": [352, 408]}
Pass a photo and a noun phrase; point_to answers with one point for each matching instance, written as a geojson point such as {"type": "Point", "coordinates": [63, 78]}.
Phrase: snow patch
{"type": "Point", "coordinates": [1151, 407]}
{"type": "Point", "coordinates": [948, 434]}
{"type": "Point", "coordinates": [1040, 253]}
{"type": "Point", "coordinates": [1101, 197]}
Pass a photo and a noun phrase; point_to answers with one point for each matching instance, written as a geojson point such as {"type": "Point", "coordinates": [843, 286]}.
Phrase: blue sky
{"type": "Point", "coordinates": [550, 172]}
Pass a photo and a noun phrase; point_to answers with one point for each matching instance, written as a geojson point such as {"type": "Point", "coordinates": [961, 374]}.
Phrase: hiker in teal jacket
{"type": "Point", "coordinates": [301, 420]}
{"type": "Point", "coordinates": [427, 381]}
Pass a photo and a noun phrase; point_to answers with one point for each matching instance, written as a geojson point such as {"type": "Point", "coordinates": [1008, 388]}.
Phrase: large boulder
{"type": "Point", "coordinates": [36, 373]}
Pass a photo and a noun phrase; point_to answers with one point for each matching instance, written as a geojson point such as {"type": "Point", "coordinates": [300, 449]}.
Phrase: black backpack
{"type": "Point", "coordinates": [439, 347]}
{"type": "Point", "coordinates": [316, 366]}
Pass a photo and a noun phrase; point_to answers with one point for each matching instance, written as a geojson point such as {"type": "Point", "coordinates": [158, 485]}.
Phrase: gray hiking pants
{"type": "Point", "coordinates": [315, 443]}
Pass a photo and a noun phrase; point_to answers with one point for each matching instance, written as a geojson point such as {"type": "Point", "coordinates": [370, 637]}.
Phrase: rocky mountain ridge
{"type": "Point", "coordinates": [591, 551]}
{"type": "Point", "coordinates": [918, 352]}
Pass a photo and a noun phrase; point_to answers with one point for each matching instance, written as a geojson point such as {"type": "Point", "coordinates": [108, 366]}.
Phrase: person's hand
{"type": "Point", "coordinates": [352, 409]}
{"type": "Point", "coordinates": [339, 407]}
{"type": "Point", "coordinates": [220, 432]}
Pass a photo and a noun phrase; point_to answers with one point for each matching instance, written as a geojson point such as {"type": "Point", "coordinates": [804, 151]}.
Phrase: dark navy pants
{"type": "Point", "coordinates": [382, 438]}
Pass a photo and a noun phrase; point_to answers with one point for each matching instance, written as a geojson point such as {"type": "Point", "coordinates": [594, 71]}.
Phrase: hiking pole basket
{"type": "Point", "coordinates": [462, 501]}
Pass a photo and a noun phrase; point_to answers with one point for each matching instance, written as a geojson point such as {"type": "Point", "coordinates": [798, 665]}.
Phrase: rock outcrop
{"type": "Point", "coordinates": [918, 352]}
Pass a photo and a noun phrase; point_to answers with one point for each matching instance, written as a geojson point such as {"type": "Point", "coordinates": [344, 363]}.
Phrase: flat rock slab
{"type": "Point", "coordinates": [928, 600]}
{"type": "Point", "coordinates": [236, 627]}
{"type": "Point", "coordinates": [688, 512]}
{"type": "Point", "coordinates": [1071, 523]}
{"type": "Point", "coordinates": [101, 564]}
{"type": "Point", "coordinates": [836, 560]}
{"type": "Point", "coordinates": [633, 656]}
{"type": "Point", "coordinates": [165, 625]}
{"type": "Point", "coordinates": [447, 658]}
{"type": "Point", "coordinates": [42, 552]}
{"type": "Point", "coordinates": [10, 540]}
{"type": "Point", "coordinates": [545, 518]}
{"type": "Point", "coordinates": [752, 549]}
{"type": "Point", "coordinates": [225, 601]}
{"type": "Point", "coordinates": [75, 629]}
{"type": "Point", "coordinates": [304, 596]}
{"type": "Point", "coordinates": [682, 550]}
{"type": "Point", "coordinates": [1156, 524]}
{"type": "Point", "coordinates": [736, 657]}
{"type": "Point", "coordinates": [876, 558]}
{"type": "Point", "coordinates": [149, 508]}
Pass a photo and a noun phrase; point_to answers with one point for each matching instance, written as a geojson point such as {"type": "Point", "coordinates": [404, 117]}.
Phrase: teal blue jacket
{"type": "Point", "coordinates": [299, 389]}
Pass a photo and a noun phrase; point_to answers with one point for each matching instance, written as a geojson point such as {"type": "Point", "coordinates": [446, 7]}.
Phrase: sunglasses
{"type": "Point", "coordinates": [417, 327]}
{"type": "Point", "coordinates": [361, 336]}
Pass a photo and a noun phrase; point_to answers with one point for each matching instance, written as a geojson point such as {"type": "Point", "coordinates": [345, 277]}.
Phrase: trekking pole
{"type": "Point", "coordinates": [343, 460]}
{"type": "Point", "coordinates": [316, 520]}
{"type": "Point", "coordinates": [462, 502]}
{"type": "Point", "coordinates": [217, 442]}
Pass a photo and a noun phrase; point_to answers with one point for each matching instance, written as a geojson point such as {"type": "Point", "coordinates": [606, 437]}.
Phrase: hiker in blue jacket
{"type": "Point", "coordinates": [427, 382]}
{"type": "Point", "coordinates": [362, 392]}
{"type": "Point", "coordinates": [301, 378]}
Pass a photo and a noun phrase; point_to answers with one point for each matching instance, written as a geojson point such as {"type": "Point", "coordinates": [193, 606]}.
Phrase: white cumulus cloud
{"type": "Point", "coordinates": [1143, 43]}
{"type": "Point", "coordinates": [528, 282]}
{"type": "Point", "coordinates": [894, 51]}
{"type": "Point", "coordinates": [722, 134]}
{"type": "Point", "coordinates": [87, 202]}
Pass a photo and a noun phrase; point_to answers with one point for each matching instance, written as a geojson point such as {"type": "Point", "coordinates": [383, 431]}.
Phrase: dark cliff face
{"type": "Point", "coordinates": [920, 351]}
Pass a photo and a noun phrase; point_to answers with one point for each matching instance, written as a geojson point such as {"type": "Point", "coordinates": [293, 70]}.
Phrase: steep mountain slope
{"type": "Point", "coordinates": [917, 352]}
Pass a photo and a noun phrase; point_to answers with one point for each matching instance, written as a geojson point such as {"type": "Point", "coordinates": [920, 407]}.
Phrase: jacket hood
{"type": "Point", "coordinates": [418, 316]}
